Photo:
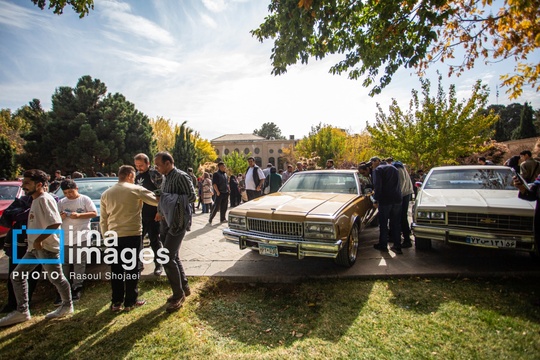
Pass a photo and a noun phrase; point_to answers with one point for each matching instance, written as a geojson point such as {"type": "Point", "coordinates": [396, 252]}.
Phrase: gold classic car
{"type": "Point", "coordinates": [473, 205]}
{"type": "Point", "coordinates": [315, 213]}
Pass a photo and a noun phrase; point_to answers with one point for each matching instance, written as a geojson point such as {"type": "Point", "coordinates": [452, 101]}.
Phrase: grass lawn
{"type": "Point", "coordinates": [331, 319]}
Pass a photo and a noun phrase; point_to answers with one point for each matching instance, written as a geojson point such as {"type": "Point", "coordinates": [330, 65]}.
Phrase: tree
{"type": "Point", "coordinates": [13, 126]}
{"type": "Point", "coordinates": [409, 33]}
{"type": "Point", "coordinates": [236, 163]}
{"type": "Point", "coordinates": [81, 7]}
{"type": "Point", "coordinates": [86, 130]}
{"type": "Point", "coordinates": [184, 152]}
{"type": "Point", "coordinates": [526, 128]}
{"type": "Point", "coordinates": [269, 131]}
{"type": "Point", "coordinates": [358, 148]}
{"type": "Point", "coordinates": [8, 169]}
{"type": "Point", "coordinates": [205, 150]}
{"type": "Point", "coordinates": [325, 142]}
{"type": "Point", "coordinates": [164, 133]}
{"type": "Point", "coordinates": [434, 131]}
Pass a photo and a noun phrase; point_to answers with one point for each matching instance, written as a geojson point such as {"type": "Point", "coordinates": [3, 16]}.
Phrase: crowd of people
{"type": "Point", "coordinates": [159, 201]}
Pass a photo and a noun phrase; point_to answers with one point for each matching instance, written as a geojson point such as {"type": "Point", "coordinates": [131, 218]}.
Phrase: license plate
{"type": "Point", "coordinates": [268, 250]}
{"type": "Point", "coordinates": [496, 243]}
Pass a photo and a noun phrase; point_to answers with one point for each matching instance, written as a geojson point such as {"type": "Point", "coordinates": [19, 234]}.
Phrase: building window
{"type": "Point", "coordinates": [272, 161]}
{"type": "Point", "coordinates": [280, 151]}
{"type": "Point", "coordinates": [258, 161]}
{"type": "Point", "coordinates": [237, 151]}
{"type": "Point", "coordinates": [257, 150]}
{"type": "Point", "coordinates": [281, 163]}
{"type": "Point", "coordinates": [246, 151]}
{"type": "Point", "coordinates": [217, 152]}
{"type": "Point", "coordinates": [271, 151]}
{"type": "Point", "coordinates": [226, 152]}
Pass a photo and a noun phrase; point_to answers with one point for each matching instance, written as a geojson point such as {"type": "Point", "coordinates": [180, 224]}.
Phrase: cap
{"type": "Point", "coordinates": [374, 158]}
{"type": "Point", "coordinates": [269, 165]}
{"type": "Point", "coordinates": [220, 163]}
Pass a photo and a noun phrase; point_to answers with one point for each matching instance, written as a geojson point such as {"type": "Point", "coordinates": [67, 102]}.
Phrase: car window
{"type": "Point", "coordinates": [92, 189]}
{"type": "Point", "coordinates": [8, 192]}
{"type": "Point", "coordinates": [492, 179]}
{"type": "Point", "coordinates": [317, 182]}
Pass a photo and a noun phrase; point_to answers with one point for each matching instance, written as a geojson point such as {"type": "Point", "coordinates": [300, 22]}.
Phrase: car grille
{"type": "Point", "coordinates": [496, 222]}
{"type": "Point", "coordinates": [283, 228]}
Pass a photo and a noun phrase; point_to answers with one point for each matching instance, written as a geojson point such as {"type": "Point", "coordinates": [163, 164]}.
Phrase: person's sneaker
{"type": "Point", "coordinates": [60, 312]}
{"type": "Point", "coordinates": [15, 317]}
{"type": "Point", "coordinates": [406, 245]}
{"type": "Point", "coordinates": [381, 247]}
{"type": "Point", "coordinates": [158, 270]}
{"type": "Point", "coordinates": [396, 250]}
{"type": "Point", "coordinates": [224, 221]}
{"type": "Point", "coordinates": [58, 301]}
{"type": "Point", "coordinates": [116, 307]}
{"type": "Point", "coordinates": [137, 304]}
{"type": "Point", "coordinates": [175, 304]}
{"type": "Point", "coordinates": [76, 293]}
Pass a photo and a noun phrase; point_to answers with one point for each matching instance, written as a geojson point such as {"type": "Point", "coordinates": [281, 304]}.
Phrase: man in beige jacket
{"type": "Point", "coordinates": [121, 213]}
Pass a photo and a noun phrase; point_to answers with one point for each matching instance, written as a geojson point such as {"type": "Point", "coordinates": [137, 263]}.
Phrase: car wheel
{"type": "Point", "coordinates": [422, 243]}
{"type": "Point", "coordinates": [347, 255]}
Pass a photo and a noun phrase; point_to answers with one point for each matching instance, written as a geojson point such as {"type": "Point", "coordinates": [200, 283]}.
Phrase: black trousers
{"type": "Point", "coordinates": [221, 204]}
{"type": "Point", "coordinates": [125, 273]}
{"type": "Point", "coordinates": [151, 227]}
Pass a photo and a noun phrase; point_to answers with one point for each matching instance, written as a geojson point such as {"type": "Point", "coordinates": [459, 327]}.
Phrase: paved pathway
{"type": "Point", "coordinates": [205, 252]}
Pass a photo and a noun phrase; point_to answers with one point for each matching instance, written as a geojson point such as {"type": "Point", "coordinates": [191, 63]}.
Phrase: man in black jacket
{"type": "Point", "coordinates": [387, 197]}
{"type": "Point", "coordinates": [220, 182]}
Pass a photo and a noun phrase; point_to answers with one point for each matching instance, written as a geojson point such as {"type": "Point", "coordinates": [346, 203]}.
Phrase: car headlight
{"type": "Point", "coordinates": [432, 215]}
{"type": "Point", "coordinates": [238, 222]}
{"type": "Point", "coordinates": [319, 231]}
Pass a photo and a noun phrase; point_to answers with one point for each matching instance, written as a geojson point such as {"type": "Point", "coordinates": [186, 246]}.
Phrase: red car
{"type": "Point", "coordinates": [9, 191]}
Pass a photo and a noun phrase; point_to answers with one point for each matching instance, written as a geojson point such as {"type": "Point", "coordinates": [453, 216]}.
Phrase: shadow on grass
{"type": "Point", "coordinates": [93, 326]}
{"type": "Point", "coordinates": [272, 314]}
{"type": "Point", "coordinates": [511, 296]}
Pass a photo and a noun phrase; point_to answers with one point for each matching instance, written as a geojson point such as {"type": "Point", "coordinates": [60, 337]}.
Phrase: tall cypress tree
{"type": "Point", "coordinates": [526, 128]}
{"type": "Point", "coordinates": [184, 152]}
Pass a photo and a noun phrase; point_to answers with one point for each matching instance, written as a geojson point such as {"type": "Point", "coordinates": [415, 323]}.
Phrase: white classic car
{"type": "Point", "coordinates": [473, 205]}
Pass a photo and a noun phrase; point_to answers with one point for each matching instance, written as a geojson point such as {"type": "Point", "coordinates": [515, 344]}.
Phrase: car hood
{"type": "Point", "coordinates": [494, 201]}
{"type": "Point", "coordinates": [302, 203]}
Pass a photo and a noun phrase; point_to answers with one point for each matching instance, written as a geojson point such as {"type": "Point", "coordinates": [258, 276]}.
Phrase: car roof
{"type": "Point", "coordinates": [468, 167]}
{"type": "Point", "coordinates": [97, 178]}
{"type": "Point", "coordinates": [11, 183]}
{"type": "Point", "coordinates": [341, 171]}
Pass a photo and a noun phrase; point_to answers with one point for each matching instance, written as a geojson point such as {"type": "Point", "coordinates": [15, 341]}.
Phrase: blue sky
{"type": "Point", "coordinates": [195, 61]}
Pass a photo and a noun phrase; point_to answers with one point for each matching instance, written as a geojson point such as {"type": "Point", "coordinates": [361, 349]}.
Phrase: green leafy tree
{"type": "Point", "coordinates": [371, 35]}
{"type": "Point", "coordinates": [8, 168]}
{"type": "Point", "coordinates": [13, 126]}
{"type": "Point", "coordinates": [269, 131]}
{"type": "Point", "coordinates": [324, 142]}
{"type": "Point", "coordinates": [86, 130]}
{"type": "Point", "coordinates": [236, 163]}
{"type": "Point", "coordinates": [81, 7]}
{"type": "Point", "coordinates": [435, 130]}
{"type": "Point", "coordinates": [509, 119]}
{"type": "Point", "coordinates": [184, 152]}
{"type": "Point", "coordinates": [526, 128]}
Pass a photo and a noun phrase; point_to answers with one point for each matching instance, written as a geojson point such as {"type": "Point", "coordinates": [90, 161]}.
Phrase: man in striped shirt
{"type": "Point", "coordinates": [177, 193]}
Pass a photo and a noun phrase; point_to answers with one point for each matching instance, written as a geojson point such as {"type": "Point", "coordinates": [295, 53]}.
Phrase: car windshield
{"type": "Point", "coordinates": [92, 189]}
{"type": "Point", "coordinates": [344, 183]}
{"type": "Point", "coordinates": [8, 192]}
{"type": "Point", "coordinates": [478, 179]}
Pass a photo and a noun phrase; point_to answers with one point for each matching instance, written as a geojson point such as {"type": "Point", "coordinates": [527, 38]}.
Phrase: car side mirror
{"type": "Point", "coordinates": [418, 184]}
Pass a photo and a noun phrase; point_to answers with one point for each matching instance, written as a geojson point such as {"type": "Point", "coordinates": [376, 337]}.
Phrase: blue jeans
{"type": "Point", "coordinates": [390, 214]}
{"type": "Point", "coordinates": [19, 278]}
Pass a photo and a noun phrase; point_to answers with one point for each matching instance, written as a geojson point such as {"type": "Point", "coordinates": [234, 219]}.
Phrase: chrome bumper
{"type": "Point", "coordinates": [296, 247]}
{"type": "Point", "coordinates": [524, 242]}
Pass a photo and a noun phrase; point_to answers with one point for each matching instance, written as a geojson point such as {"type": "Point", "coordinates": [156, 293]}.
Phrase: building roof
{"type": "Point", "coordinates": [239, 137]}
